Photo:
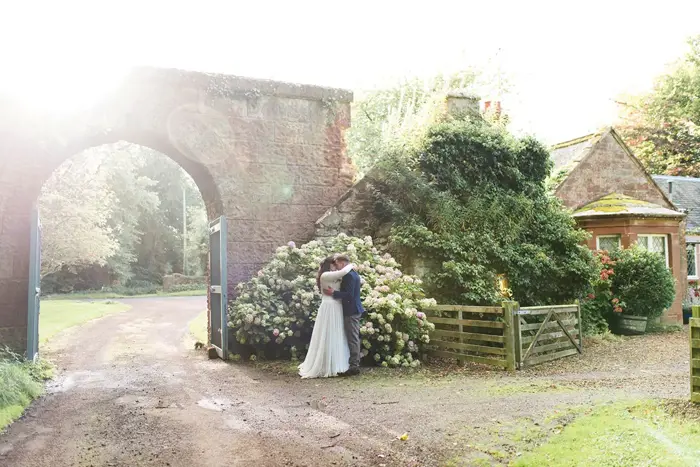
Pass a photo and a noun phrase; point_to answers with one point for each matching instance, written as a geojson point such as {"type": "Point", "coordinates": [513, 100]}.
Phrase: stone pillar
{"type": "Point", "coordinates": [15, 224]}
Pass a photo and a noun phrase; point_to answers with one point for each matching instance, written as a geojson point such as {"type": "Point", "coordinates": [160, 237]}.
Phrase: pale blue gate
{"type": "Point", "coordinates": [34, 292]}
{"type": "Point", "coordinates": [218, 287]}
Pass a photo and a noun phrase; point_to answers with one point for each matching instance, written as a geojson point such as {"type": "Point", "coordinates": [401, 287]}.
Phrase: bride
{"type": "Point", "coordinates": [328, 353]}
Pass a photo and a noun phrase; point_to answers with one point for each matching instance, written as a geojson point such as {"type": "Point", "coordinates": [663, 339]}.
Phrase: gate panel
{"type": "Point", "coordinates": [34, 290]}
{"type": "Point", "coordinates": [218, 293]}
{"type": "Point", "coordinates": [547, 333]}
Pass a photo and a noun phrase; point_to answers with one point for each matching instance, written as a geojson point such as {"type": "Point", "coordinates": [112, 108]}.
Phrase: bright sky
{"type": "Point", "coordinates": [566, 63]}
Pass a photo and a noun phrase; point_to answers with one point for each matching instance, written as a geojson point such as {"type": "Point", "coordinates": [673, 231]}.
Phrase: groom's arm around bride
{"type": "Point", "coordinates": [349, 294]}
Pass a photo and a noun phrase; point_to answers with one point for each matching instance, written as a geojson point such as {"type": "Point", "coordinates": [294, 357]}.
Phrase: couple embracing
{"type": "Point", "coordinates": [334, 349]}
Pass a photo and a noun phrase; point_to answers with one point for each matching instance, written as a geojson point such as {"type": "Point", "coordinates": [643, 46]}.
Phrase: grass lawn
{"type": "Point", "coordinates": [621, 434]}
{"type": "Point", "coordinates": [198, 327]}
{"type": "Point", "coordinates": [108, 295]}
{"type": "Point", "coordinates": [57, 315]}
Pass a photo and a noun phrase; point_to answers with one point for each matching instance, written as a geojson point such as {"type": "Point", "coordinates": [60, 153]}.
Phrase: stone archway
{"type": "Point", "coordinates": [269, 156]}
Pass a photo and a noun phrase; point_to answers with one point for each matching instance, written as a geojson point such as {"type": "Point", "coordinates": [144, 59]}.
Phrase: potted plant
{"type": "Point", "coordinates": [642, 287]}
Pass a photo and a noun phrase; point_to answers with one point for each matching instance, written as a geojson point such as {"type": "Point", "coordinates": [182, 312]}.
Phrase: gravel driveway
{"type": "Point", "coordinates": [131, 392]}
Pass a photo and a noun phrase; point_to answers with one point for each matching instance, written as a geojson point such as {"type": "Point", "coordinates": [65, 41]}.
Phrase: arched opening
{"type": "Point", "coordinates": [122, 219]}
{"type": "Point", "coordinates": [120, 216]}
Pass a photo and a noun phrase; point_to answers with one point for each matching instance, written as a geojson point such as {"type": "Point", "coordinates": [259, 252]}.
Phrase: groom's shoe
{"type": "Point", "coordinates": [351, 372]}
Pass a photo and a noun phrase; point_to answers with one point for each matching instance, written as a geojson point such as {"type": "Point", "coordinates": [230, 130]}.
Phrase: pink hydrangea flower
{"type": "Point", "coordinates": [292, 245]}
{"type": "Point", "coordinates": [276, 332]}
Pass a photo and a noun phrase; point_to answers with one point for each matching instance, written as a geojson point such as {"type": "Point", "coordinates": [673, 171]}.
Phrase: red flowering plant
{"type": "Point", "coordinates": [693, 292]}
{"type": "Point", "coordinates": [600, 303]}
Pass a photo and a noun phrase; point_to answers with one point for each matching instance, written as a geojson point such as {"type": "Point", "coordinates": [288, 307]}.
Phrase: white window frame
{"type": "Point", "coordinates": [598, 237]}
{"type": "Point", "coordinates": [665, 237]}
{"type": "Point", "coordinates": [695, 248]}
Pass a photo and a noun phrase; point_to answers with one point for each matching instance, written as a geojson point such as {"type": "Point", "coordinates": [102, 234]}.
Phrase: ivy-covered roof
{"type": "Point", "coordinates": [616, 204]}
{"type": "Point", "coordinates": [684, 193]}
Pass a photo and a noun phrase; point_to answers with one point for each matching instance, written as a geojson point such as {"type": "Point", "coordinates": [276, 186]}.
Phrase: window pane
{"type": "Point", "coordinates": [692, 267]}
{"type": "Point", "coordinates": [643, 241]}
{"type": "Point", "coordinates": [658, 245]}
{"type": "Point", "coordinates": [608, 243]}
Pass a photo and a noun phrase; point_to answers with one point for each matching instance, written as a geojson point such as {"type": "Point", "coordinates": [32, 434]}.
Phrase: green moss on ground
{"type": "Point", "coordinates": [622, 434]}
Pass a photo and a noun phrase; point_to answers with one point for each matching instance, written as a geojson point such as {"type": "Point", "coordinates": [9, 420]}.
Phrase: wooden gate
{"type": "Point", "coordinates": [544, 333]}
{"type": "Point", "coordinates": [695, 355]}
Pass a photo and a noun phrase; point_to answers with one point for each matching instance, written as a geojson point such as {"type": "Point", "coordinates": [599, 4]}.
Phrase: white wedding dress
{"type": "Point", "coordinates": [328, 352]}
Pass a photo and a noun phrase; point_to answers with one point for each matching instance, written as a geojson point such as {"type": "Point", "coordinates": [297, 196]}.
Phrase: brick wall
{"type": "Point", "coordinates": [608, 169]}
{"type": "Point", "coordinates": [269, 156]}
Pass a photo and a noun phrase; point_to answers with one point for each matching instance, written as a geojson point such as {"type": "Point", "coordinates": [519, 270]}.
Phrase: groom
{"type": "Point", "coordinates": [349, 293]}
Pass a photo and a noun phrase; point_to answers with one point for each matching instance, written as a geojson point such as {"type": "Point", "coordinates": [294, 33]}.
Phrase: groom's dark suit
{"type": "Point", "coordinates": [349, 294]}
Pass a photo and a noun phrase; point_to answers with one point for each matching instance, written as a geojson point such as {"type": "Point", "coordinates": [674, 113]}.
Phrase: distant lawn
{"type": "Point", "coordinates": [621, 435]}
{"type": "Point", "coordinates": [198, 327]}
{"type": "Point", "coordinates": [108, 295]}
{"type": "Point", "coordinates": [57, 315]}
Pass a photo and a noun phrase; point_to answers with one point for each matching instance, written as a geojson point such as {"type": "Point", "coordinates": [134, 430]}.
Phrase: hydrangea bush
{"type": "Point", "coordinates": [278, 306]}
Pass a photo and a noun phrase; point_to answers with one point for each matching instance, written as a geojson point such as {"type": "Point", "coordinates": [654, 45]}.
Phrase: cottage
{"type": "Point", "coordinates": [619, 203]}
{"type": "Point", "coordinates": [684, 193]}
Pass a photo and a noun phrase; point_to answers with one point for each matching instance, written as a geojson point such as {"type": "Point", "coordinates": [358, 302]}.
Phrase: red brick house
{"type": "Point", "coordinates": [616, 200]}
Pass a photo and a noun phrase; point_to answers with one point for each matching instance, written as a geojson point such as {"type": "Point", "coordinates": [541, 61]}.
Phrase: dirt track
{"type": "Point", "coordinates": [130, 392]}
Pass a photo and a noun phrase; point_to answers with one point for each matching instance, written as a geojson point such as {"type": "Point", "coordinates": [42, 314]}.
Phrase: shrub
{"type": "Point", "coordinates": [188, 287]}
{"type": "Point", "coordinates": [470, 203]}
{"type": "Point", "coordinates": [278, 306]}
{"type": "Point", "coordinates": [642, 282]}
{"type": "Point", "coordinates": [633, 281]}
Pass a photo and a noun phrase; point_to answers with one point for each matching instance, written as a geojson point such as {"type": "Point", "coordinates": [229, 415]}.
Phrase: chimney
{"type": "Point", "coordinates": [487, 106]}
{"type": "Point", "coordinates": [498, 109]}
{"type": "Point", "coordinates": [670, 190]}
{"type": "Point", "coordinates": [461, 102]}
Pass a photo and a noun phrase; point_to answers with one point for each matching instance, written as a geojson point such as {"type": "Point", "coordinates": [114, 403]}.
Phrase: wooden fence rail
{"type": "Point", "coordinates": [508, 336]}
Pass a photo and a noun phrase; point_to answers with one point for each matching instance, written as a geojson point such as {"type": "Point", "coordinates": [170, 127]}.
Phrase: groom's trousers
{"type": "Point", "coordinates": [352, 332]}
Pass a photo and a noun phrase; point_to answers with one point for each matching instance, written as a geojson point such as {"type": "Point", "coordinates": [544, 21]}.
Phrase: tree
{"type": "Point", "coordinates": [663, 126]}
{"type": "Point", "coordinates": [389, 116]}
{"type": "Point", "coordinates": [74, 208]}
{"type": "Point", "coordinates": [469, 204]}
{"type": "Point", "coordinates": [119, 208]}
{"type": "Point", "coordinates": [133, 197]}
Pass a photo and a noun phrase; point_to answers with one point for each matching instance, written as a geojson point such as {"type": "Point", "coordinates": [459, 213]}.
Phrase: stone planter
{"type": "Point", "coordinates": [628, 325]}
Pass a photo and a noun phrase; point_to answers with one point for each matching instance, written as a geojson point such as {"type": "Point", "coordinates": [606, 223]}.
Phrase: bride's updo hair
{"type": "Point", "coordinates": [325, 267]}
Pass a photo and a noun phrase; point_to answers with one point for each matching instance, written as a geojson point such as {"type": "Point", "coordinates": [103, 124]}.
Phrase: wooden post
{"type": "Point", "coordinates": [517, 336]}
{"type": "Point", "coordinates": [695, 359]}
{"type": "Point", "coordinates": [510, 315]}
{"type": "Point", "coordinates": [580, 325]}
{"type": "Point", "coordinates": [460, 316]}
{"type": "Point", "coordinates": [696, 311]}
